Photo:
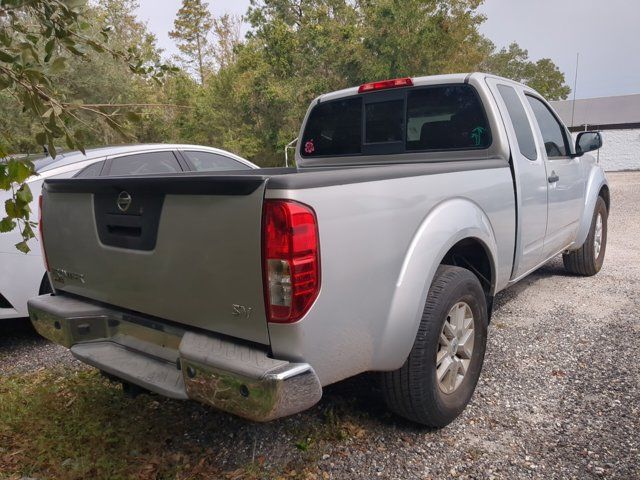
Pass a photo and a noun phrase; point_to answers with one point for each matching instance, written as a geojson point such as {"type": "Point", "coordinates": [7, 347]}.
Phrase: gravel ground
{"type": "Point", "coordinates": [559, 395]}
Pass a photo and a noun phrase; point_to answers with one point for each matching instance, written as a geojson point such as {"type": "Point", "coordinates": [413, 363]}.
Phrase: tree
{"type": "Point", "coordinates": [226, 34]}
{"type": "Point", "coordinates": [298, 49]}
{"type": "Point", "coordinates": [543, 75]}
{"type": "Point", "coordinates": [421, 37]}
{"type": "Point", "coordinates": [38, 39]}
{"type": "Point", "coordinates": [191, 30]}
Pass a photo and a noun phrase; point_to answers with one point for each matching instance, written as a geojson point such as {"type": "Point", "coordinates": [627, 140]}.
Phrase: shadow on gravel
{"type": "Point", "coordinates": [361, 396]}
{"type": "Point", "coordinates": [554, 268]}
{"type": "Point", "coordinates": [17, 329]}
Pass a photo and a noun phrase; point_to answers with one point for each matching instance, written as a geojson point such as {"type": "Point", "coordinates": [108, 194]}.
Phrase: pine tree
{"type": "Point", "coordinates": [191, 30]}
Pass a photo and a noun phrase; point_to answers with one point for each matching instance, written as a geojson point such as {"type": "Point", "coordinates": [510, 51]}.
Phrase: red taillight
{"type": "Point", "coordinates": [291, 259]}
{"type": "Point", "coordinates": [384, 84]}
{"type": "Point", "coordinates": [44, 254]}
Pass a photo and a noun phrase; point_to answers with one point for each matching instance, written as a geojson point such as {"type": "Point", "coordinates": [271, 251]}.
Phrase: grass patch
{"type": "Point", "coordinates": [77, 425]}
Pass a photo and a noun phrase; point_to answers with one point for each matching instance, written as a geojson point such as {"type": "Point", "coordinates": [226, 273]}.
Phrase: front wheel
{"type": "Point", "coordinates": [588, 259]}
{"type": "Point", "coordinates": [439, 377]}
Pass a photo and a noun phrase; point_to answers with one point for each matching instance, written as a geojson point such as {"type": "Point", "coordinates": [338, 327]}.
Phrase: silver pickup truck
{"type": "Point", "coordinates": [413, 203]}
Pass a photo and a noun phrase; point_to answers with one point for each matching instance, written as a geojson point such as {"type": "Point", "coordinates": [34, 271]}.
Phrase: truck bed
{"type": "Point", "coordinates": [188, 249]}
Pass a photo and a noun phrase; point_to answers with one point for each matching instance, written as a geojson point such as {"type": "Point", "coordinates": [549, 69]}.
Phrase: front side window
{"type": "Point", "coordinates": [210, 162]}
{"type": "Point", "coordinates": [145, 164]}
{"type": "Point", "coordinates": [555, 142]}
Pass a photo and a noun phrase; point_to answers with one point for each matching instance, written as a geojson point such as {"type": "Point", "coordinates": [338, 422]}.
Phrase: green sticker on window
{"type": "Point", "coordinates": [476, 135]}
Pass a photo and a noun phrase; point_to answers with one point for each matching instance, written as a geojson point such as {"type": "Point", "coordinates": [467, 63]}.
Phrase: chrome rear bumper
{"type": "Point", "coordinates": [231, 376]}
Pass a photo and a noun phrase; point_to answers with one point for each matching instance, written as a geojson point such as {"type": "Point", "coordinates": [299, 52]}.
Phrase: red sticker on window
{"type": "Point", "coordinates": [309, 148]}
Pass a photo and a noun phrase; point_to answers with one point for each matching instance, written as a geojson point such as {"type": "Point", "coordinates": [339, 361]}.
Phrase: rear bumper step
{"type": "Point", "coordinates": [177, 363]}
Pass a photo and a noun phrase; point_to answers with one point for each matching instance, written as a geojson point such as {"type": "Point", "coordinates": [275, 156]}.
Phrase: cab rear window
{"type": "Point", "coordinates": [434, 118]}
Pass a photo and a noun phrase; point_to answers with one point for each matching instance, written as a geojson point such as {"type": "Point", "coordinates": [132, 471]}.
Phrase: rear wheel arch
{"type": "Point", "coordinates": [472, 254]}
{"type": "Point", "coordinates": [454, 226]}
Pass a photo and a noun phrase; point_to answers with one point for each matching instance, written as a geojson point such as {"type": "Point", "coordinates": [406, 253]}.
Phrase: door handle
{"type": "Point", "coordinates": [553, 178]}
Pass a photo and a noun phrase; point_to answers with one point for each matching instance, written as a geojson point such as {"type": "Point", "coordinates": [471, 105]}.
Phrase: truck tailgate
{"type": "Point", "coordinates": [182, 248]}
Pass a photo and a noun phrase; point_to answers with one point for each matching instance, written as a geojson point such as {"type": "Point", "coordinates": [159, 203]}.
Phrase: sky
{"type": "Point", "coordinates": [605, 34]}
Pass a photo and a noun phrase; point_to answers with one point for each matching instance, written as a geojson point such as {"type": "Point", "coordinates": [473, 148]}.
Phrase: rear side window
{"type": "Point", "coordinates": [552, 131]}
{"type": "Point", "coordinates": [209, 161]}
{"type": "Point", "coordinates": [92, 170]}
{"type": "Point", "coordinates": [145, 164]}
{"type": "Point", "coordinates": [443, 117]}
{"type": "Point", "coordinates": [520, 122]}
{"type": "Point", "coordinates": [334, 128]}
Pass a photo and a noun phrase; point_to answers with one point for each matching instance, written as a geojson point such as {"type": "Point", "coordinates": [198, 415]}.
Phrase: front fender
{"type": "Point", "coordinates": [595, 182]}
{"type": "Point", "coordinates": [447, 224]}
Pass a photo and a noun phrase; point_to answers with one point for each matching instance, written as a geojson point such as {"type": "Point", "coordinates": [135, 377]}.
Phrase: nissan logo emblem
{"type": "Point", "coordinates": [124, 201]}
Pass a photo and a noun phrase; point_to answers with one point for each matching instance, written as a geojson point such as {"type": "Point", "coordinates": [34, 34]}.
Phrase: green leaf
{"type": "Point", "coordinates": [117, 127]}
{"type": "Point", "coordinates": [51, 148]}
{"type": "Point", "coordinates": [58, 65]}
{"type": "Point", "coordinates": [133, 116]}
{"type": "Point", "coordinates": [12, 209]}
{"type": "Point", "coordinates": [7, 58]}
{"type": "Point", "coordinates": [27, 51]}
{"type": "Point", "coordinates": [5, 37]}
{"type": "Point", "coordinates": [27, 231]}
{"type": "Point", "coordinates": [23, 247]}
{"type": "Point", "coordinates": [33, 74]}
{"type": "Point", "coordinates": [24, 194]}
{"type": "Point", "coordinates": [18, 171]}
{"type": "Point", "coordinates": [5, 82]}
{"type": "Point", "coordinates": [69, 141]}
{"type": "Point", "coordinates": [41, 138]}
{"type": "Point", "coordinates": [48, 49]}
{"type": "Point", "coordinates": [7, 224]}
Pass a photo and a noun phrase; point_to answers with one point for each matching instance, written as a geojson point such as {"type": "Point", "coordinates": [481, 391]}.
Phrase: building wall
{"type": "Point", "coordinates": [620, 150]}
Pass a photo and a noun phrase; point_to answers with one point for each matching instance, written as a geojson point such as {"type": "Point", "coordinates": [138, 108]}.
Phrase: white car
{"type": "Point", "coordinates": [23, 276]}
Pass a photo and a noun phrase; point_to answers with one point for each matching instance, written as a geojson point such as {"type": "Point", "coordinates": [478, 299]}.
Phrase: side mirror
{"type": "Point", "coordinates": [588, 142]}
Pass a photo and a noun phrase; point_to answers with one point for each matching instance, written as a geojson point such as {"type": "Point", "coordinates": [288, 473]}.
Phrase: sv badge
{"type": "Point", "coordinates": [241, 311]}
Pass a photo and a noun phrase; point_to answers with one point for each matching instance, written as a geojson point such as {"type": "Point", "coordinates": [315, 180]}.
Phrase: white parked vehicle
{"type": "Point", "coordinates": [23, 276]}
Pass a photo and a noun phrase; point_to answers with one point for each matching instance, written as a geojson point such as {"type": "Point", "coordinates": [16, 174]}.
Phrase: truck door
{"type": "Point", "coordinates": [564, 177]}
{"type": "Point", "coordinates": [530, 177]}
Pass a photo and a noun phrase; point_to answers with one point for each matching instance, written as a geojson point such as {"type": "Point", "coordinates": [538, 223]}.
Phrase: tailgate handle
{"type": "Point", "coordinates": [124, 231]}
{"type": "Point", "coordinates": [124, 225]}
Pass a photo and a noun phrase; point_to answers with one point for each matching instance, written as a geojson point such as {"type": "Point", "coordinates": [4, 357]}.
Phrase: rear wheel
{"type": "Point", "coordinates": [588, 259]}
{"type": "Point", "coordinates": [439, 377]}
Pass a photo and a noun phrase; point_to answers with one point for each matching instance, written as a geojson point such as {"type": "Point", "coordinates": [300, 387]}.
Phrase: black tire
{"type": "Point", "coordinates": [412, 391]}
{"type": "Point", "coordinates": [584, 261]}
